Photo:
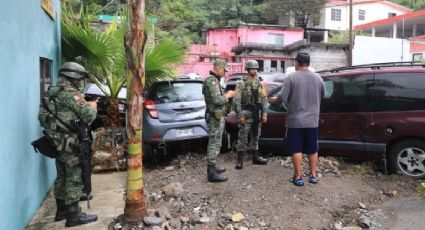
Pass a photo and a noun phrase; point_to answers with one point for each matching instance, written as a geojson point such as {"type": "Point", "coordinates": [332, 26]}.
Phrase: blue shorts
{"type": "Point", "coordinates": [301, 140]}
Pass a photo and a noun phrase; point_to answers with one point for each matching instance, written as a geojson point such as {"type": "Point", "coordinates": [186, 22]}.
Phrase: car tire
{"type": "Point", "coordinates": [148, 152]}
{"type": "Point", "coordinates": [408, 158]}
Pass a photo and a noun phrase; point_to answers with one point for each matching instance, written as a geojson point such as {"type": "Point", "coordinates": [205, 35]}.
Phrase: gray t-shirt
{"type": "Point", "coordinates": [302, 91]}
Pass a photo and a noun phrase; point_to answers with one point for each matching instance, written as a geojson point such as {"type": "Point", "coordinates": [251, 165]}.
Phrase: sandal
{"type": "Point", "coordinates": [313, 180]}
{"type": "Point", "coordinates": [297, 182]}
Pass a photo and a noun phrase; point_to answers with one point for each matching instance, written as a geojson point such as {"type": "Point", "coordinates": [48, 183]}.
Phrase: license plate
{"type": "Point", "coordinates": [184, 132]}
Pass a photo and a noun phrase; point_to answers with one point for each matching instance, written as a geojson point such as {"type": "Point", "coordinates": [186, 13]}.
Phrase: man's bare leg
{"type": "Point", "coordinates": [297, 159]}
{"type": "Point", "coordinates": [313, 159]}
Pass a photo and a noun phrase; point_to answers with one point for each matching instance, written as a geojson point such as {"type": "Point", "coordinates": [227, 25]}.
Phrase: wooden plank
{"type": "Point", "coordinates": [48, 6]}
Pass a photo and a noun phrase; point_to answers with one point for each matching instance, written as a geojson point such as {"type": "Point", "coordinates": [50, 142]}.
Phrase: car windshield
{"type": "Point", "coordinates": [178, 92]}
{"type": "Point", "coordinates": [94, 89]}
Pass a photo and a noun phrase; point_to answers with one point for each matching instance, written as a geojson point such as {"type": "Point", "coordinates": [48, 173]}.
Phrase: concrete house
{"type": "Point", "coordinates": [29, 61]}
{"type": "Point", "coordinates": [264, 43]}
{"type": "Point", "coordinates": [399, 38]}
{"type": "Point", "coordinates": [335, 15]}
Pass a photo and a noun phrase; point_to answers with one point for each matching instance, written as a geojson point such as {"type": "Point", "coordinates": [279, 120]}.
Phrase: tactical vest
{"type": "Point", "coordinates": [250, 92]}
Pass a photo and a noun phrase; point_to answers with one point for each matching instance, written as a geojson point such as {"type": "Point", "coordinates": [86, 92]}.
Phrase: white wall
{"type": "Point", "coordinates": [374, 11]}
{"type": "Point", "coordinates": [369, 50]}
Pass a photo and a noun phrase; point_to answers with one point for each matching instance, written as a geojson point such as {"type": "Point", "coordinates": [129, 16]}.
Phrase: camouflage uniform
{"type": "Point", "coordinates": [216, 111]}
{"type": "Point", "coordinates": [242, 100]}
{"type": "Point", "coordinates": [70, 105]}
{"type": "Point", "coordinates": [217, 108]}
{"type": "Point", "coordinates": [251, 94]}
{"type": "Point", "coordinates": [67, 102]}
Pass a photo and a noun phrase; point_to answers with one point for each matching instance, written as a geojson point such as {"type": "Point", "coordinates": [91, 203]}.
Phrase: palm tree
{"type": "Point", "coordinates": [103, 54]}
{"type": "Point", "coordinates": [135, 42]}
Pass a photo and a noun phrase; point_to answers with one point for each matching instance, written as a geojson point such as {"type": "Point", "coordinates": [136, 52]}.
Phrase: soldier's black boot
{"type": "Point", "coordinates": [239, 162]}
{"type": "Point", "coordinates": [213, 176]}
{"type": "Point", "coordinates": [256, 159]}
{"type": "Point", "coordinates": [220, 169]}
{"type": "Point", "coordinates": [61, 210]}
{"type": "Point", "coordinates": [84, 197]}
{"type": "Point", "coordinates": [76, 217]}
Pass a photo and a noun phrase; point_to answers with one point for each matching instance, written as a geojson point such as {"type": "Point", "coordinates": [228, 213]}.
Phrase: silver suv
{"type": "Point", "coordinates": [173, 111]}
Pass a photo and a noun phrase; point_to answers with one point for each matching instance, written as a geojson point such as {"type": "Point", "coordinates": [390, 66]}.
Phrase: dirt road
{"type": "Point", "coordinates": [347, 195]}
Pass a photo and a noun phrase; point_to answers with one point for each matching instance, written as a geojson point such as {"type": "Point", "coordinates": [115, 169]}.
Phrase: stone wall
{"type": "Point", "coordinates": [323, 56]}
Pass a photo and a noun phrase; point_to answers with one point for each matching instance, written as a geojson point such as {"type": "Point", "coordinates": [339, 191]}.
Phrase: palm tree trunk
{"type": "Point", "coordinates": [135, 40]}
{"type": "Point", "coordinates": [112, 113]}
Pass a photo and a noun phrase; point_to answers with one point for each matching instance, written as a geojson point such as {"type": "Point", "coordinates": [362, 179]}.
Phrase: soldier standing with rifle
{"type": "Point", "coordinates": [65, 117]}
{"type": "Point", "coordinates": [250, 106]}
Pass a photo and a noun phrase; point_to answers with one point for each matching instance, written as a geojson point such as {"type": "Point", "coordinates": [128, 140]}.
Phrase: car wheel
{"type": "Point", "coordinates": [148, 152]}
{"type": "Point", "coordinates": [408, 157]}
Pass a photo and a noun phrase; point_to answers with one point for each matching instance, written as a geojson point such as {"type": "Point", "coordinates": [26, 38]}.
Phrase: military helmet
{"type": "Point", "coordinates": [252, 64]}
{"type": "Point", "coordinates": [221, 63]}
{"type": "Point", "coordinates": [73, 70]}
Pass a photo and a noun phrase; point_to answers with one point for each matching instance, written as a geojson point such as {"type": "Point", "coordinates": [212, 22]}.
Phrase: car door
{"type": "Point", "coordinates": [398, 104]}
{"type": "Point", "coordinates": [273, 131]}
{"type": "Point", "coordinates": [346, 112]}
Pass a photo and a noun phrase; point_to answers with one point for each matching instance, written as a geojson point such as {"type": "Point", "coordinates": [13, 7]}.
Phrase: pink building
{"type": "Point", "coordinates": [264, 43]}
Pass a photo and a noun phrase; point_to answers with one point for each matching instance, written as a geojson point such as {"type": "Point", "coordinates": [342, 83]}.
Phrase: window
{"type": "Point", "coordinates": [390, 15]}
{"type": "Point", "coordinates": [399, 92]}
{"type": "Point", "coordinates": [177, 92]}
{"type": "Point", "coordinates": [347, 94]}
{"type": "Point", "coordinates": [362, 15]}
{"type": "Point", "coordinates": [336, 15]}
{"type": "Point", "coordinates": [261, 65]}
{"type": "Point", "coordinates": [418, 57]}
{"type": "Point", "coordinates": [276, 39]}
{"type": "Point", "coordinates": [273, 90]}
{"type": "Point", "coordinates": [282, 66]}
{"type": "Point", "coordinates": [45, 75]}
{"type": "Point", "coordinates": [273, 66]}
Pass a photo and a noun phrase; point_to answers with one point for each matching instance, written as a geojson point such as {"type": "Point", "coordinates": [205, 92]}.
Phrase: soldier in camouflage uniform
{"type": "Point", "coordinates": [215, 100]}
{"type": "Point", "coordinates": [251, 109]}
{"type": "Point", "coordinates": [67, 102]}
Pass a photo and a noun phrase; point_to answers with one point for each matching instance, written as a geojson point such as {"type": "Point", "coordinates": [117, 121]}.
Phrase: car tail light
{"type": "Point", "coordinates": [151, 108]}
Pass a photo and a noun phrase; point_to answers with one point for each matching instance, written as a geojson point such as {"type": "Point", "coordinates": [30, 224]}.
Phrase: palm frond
{"type": "Point", "coordinates": [160, 61]}
{"type": "Point", "coordinates": [103, 53]}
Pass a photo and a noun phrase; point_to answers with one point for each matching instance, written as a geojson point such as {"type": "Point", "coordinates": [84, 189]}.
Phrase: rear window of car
{"type": "Point", "coordinates": [399, 91]}
{"type": "Point", "coordinates": [177, 92]}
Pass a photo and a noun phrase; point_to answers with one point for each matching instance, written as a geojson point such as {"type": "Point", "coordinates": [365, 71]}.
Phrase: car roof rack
{"type": "Point", "coordinates": [374, 66]}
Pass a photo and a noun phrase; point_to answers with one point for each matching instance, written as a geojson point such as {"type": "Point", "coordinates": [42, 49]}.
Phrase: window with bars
{"type": "Point", "coordinates": [336, 14]}
{"type": "Point", "coordinates": [45, 75]}
{"type": "Point", "coordinates": [362, 15]}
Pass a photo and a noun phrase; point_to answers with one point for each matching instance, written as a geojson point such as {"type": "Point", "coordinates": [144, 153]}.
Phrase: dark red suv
{"type": "Point", "coordinates": [369, 111]}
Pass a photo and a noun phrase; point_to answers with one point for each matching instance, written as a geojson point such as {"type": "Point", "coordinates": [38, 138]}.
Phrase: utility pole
{"type": "Point", "coordinates": [350, 34]}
